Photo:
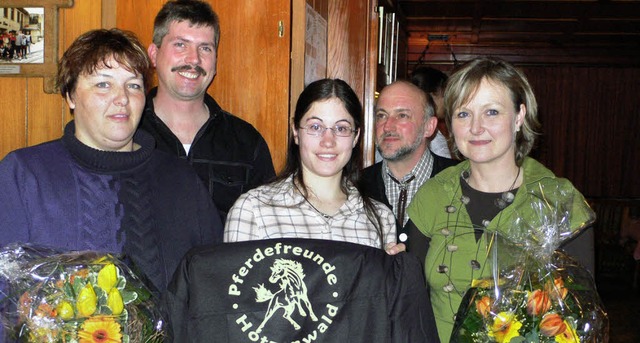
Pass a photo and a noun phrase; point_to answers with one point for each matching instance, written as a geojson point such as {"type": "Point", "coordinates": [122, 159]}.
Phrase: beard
{"type": "Point", "coordinates": [402, 152]}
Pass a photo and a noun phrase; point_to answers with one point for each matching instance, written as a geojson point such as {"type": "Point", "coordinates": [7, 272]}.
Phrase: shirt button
{"type": "Point", "coordinates": [403, 237]}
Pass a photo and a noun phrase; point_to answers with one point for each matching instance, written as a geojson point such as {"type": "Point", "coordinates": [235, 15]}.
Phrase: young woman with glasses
{"type": "Point", "coordinates": [316, 195]}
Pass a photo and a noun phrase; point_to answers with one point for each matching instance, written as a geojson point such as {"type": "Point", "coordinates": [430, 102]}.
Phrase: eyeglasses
{"type": "Point", "coordinates": [318, 130]}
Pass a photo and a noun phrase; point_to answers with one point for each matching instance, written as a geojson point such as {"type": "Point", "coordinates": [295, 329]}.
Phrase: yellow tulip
{"type": "Point", "coordinates": [65, 310]}
{"type": "Point", "coordinates": [114, 302]}
{"type": "Point", "coordinates": [107, 277]}
{"type": "Point", "coordinates": [86, 302]}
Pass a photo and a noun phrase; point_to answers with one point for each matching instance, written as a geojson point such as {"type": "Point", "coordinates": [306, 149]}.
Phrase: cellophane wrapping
{"type": "Point", "coordinates": [48, 296]}
{"type": "Point", "coordinates": [536, 293]}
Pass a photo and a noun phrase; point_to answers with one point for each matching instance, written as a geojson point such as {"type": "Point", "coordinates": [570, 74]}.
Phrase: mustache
{"type": "Point", "coordinates": [186, 67]}
{"type": "Point", "coordinates": [390, 134]}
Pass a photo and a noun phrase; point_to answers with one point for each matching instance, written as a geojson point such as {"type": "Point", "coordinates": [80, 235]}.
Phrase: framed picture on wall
{"type": "Point", "coordinates": [29, 39]}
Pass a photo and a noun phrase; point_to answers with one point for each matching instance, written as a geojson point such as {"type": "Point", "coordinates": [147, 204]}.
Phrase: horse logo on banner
{"type": "Point", "coordinates": [291, 296]}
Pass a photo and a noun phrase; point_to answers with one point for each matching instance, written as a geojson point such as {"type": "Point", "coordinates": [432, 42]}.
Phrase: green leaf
{"type": "Point", "coordinates": [68, 290]}
{"type": "Point", "coordinates": [128, 296]}
{"type": "Point", "coordinates": [533, 337]}
{"type": "Point", "coordinates": [104, 309]}
{"type": "Point", "coordinates": [78, 285]}
{"type": "Point", "coordinates": [122, 282]}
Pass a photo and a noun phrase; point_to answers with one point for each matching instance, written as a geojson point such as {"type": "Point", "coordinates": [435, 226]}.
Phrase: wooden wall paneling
{"type": "Point", "coordinates": [138, 16]}
{"type": "Point", "coordinates": [590, 123]}
{"type": "Point", "coordinates": [109, 13]}
{"type": "Point", "coordinates": [13, 123]}
{"type": "Point", "coordinates": [45, 115]}
{"type": "Point", "coordinates": [588, 139]}
{"type": "Point", "coordinates": [617, 117]}
{"type": "Point", "coordinates": [627, 126]}
{"type": "Point", "coordinates": [298, 33]}
{"type": "Point", "coordinates": [82, 17]}
{"type": "Point", "coordinates": [403, 66]}
{"type": "Point", "coordinates": [529, 54]}
{"type": "Point", "coordinates": [542, 32]}
{"type": "Point", "coordinates": [560, 122]}
{"type": "Point", "coordinates": [350, 24]}
{"type": "Point", "coordinates": [62, 34]}
{"type": "Point", "coordinates": [346, 53]}
{"type": "Point", "coordinates": [253, 67]}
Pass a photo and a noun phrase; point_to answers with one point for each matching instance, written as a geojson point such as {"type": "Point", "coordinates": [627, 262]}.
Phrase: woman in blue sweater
{"type": "Point", "coordinates": [102, 186]}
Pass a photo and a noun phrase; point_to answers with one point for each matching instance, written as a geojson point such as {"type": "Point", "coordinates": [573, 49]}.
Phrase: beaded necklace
{"type": "Point", "coordinates": [476, 268]}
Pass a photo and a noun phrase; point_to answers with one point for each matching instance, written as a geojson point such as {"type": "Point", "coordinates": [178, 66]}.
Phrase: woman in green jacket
{"type": "Point", "coordinates": [491, 112]}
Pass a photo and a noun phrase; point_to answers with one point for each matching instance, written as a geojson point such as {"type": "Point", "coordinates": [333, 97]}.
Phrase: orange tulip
{"type": "Point", "coordinates": [552, 324]}
{"type": "Point", "coordinates": [538, 302]}
{"type": "Point", "coordinates": [483, 306]}
{"type": "Point", "coordinates": [557, 289]}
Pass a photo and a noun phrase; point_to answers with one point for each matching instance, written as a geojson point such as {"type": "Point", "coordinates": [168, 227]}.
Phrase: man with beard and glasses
{"type": "Point", "coordinates": [404, 119]}
{"type": "Point", "coordinates": [228, 154]}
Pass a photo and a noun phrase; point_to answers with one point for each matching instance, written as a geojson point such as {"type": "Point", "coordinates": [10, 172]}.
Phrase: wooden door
{"type": "Point", "coordinates": [253, 67]}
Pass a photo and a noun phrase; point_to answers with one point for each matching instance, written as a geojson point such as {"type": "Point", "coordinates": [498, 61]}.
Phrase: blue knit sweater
{"type": "Point", "coordinates": [147, 205]}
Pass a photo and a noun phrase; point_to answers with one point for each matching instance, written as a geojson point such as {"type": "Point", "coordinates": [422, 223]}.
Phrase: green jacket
{"type": "Point", "coordinates": [454, 257]}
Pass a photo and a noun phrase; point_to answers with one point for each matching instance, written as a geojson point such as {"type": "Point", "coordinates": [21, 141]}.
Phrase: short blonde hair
{"type": "Point", "coordinates": [464, 83]}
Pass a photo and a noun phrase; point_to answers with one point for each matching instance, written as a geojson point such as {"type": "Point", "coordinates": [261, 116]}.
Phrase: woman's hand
{"type": "Point", "coordinates": [394, 248]}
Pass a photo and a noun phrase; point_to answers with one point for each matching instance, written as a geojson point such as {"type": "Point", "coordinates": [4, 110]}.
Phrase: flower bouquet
{"type": "Point", "coordinates": [79, 297]}
{"type": "Point", "coordinates": [536, 293]}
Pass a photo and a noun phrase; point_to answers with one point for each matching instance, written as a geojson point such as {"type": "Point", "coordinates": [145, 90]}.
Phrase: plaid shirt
{"type": "Point", "coordinates": [421, 171]}
{"type": "Point", "coordinates": [277, 210]}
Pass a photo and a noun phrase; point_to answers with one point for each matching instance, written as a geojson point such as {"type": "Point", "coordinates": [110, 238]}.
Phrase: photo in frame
{"type": "Point", "coordinates": [29, 36]}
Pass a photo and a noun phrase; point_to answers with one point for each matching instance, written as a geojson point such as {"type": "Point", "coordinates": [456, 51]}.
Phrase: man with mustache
{"type": "Point", "coordinates": [228, 154]}
{"type": "Point", "coordinates": [404, 119]}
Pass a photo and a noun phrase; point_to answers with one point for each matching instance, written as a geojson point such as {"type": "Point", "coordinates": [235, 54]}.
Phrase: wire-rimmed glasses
{"type": "Point", "coordinates": [318, 130]}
